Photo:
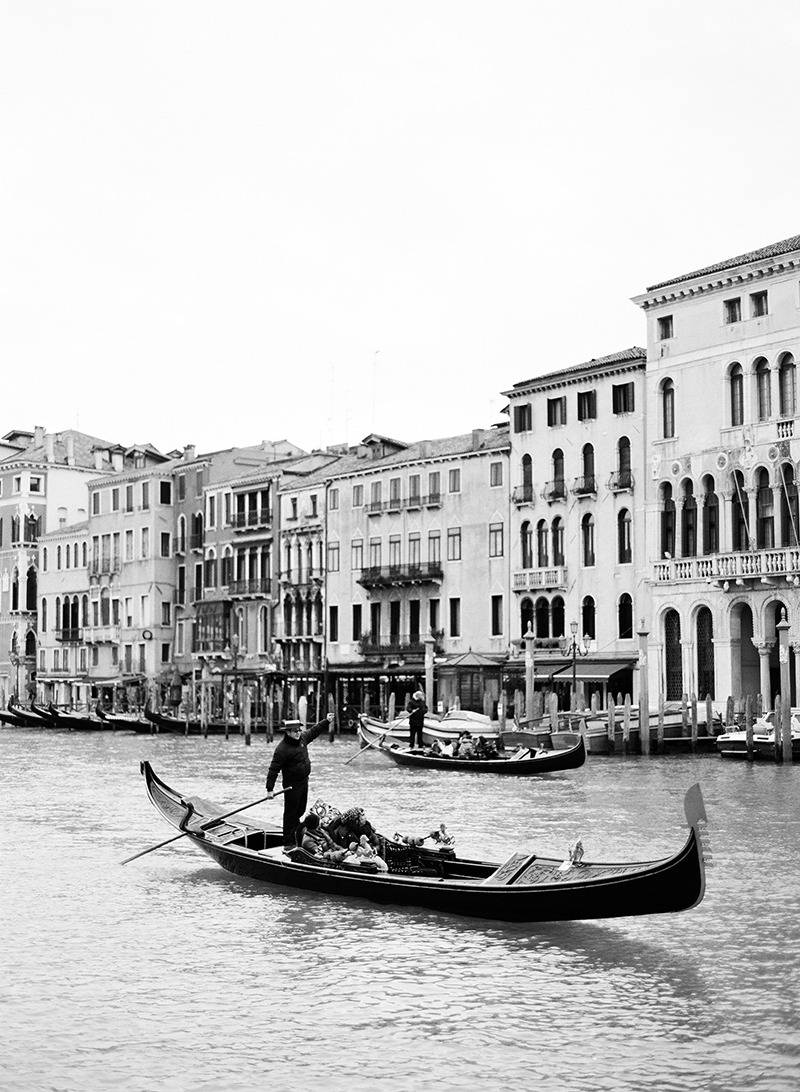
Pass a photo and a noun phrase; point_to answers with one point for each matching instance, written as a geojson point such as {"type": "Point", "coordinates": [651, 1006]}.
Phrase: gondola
{"type": "Point", "coordinates": [75, 722]}
{"type": "Point", "coordinates": [524, 888]}
{"type": "Point", "coordinates": [28, 718]}
{"type": "Point", "coordinates": [164, 722]}
{"type": "Point", "coordinates": [445, 729]}
{"type": "Point", "coordinates": [516, 762]}
{"type": "Point", "coordinates": [130, 722]}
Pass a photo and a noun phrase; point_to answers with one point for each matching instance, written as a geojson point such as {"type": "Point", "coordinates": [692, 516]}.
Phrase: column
{"type": "Point", "coordinates": [644, 699]}
{"type": "Point", "coordinates": [764, 648]}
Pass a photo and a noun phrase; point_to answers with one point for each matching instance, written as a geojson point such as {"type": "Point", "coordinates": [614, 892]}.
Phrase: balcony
{"type": "Point", "coordinates": [523, 494]}
{"type": "Point", "coordinates": [388, 576]}
{"type": "Point", "coordinates": [621, 481]}
{"type": "Point", "coordinates": [240, 589]}
{"type": "Point", "coordinates": [251, 519]}
{"type": "Point", "coordinates": [179, 545]}
{"type": "Point", "coordinates": [100, 635]}
{"type": "Point", "coordinates": [396, 644]}
{"type": "Point", "coordinates": [785, 430]}
{"type": "Point", "coordinates": [748, 568]}
{"type": "Point", "coordinates": [585, 486]}
{"type": "Point", "coordinates": [302, 578]}
{"type": "Point", "coordinates": [105, 566]}
{"type": "Point", "coordinates": [196, 542]}
{"type": "Point", "coordinates": [549, 578]}
{"type": "Point", "coordinates": [555, 490]}
{"type": "Point", "coordinates": [72, 636]}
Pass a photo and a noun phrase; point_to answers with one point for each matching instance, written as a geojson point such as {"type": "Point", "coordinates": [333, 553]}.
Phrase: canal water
{"type": "Point", "coordinates": [169, 974]}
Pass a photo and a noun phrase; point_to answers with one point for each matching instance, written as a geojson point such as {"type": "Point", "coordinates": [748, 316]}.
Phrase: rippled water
{"type": "Point", "coordinates": [170, 974]}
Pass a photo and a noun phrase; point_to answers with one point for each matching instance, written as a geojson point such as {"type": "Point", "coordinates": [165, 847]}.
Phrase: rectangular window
{"type": "Point", "coordinates": [732, 310]}
{"type": "Point", "coordinates": [375, 495]}
{"type": "Point", "coordinates": [454, 481]}
{"type": "Point", "coordinates": [413, 489]}
{"type": "Point", "coordinates": [557, 412]}
{"type": "Point", "coordinates": [211, 505]}
{"type": "Point", "coordinates": [333, 500]}
{"type": "Point", "coordinates": [414, 551]}
{"type": "Point", "coordinates": [198, 483]}
{"type": "Point", "coordinates": [165, 543]}
{"type": "Point", "coordinates": [165, 652]}
{"type": "Point", "coordinates": [165, 492]}
{"type": "Point", "coordinates": [333, 623]}
{"type": "Point", "coordinates": [433, 615]}
{"type": "Point", "coordinates": [128, 498]}
{"type": "Point", "coordinates": [145, 496]}
{"type": "Point", "coordinates": [497, 616]}
{"type": "Point", "coordinates": [115, 499]}
{"type": "Point", "coordinates": [523, 418]}
{"type": "Point", "coordinates": [358, 496]}
{"type": "Point", "coordinates": [228, 502]}
{"type": "Point", "coordinates": [495, 474]}
{"type": "Point", "coordinates": [622, 398]}
{"type": "Point", "coordinates": [587, 405]}
{"type": "Point", "coordinates": [374, 553]}
{"type": "Point", "coordinates": [356, 621]}
{"type": "Point", "coordinates": [35, 484]}
{"type": "Point", "coordinates": [95, 502]}
{"type": "Point", "coordinates": [166, 612]}
{"type": "Point", "coordinates": [758, 304]}
{"type": "Point", "coordinates": [116, 546]}
{"type": "Point", "coordinates": [142, 658]}
{"type": "Point", "coordinates": [129, 545]}
{"type": "Point", "coordinates": [144, 610]}
{"type": "Point", "coordinates": [333, 557]}
{"type": "Point", "coordinates": [313, 499]}
{"type": "Point", "coordinates": [145, 543]}
{"type": "Point", "coordinates": [181, 487]}
{"type": "Point", "coordinates": [455, 617]}
{"type": "Point", "coordinates": [434, 486]}
{"type": "Point", "coordinates": [394, 551]}
{"type": "Point", "coordinates": [495, 540]}
{"type": "Point", "coordinates": [357, 554]}
{"type": "Point", "coordinates": [434, 547]}
{"type": "Point", "coordinates": [127, 662]}
{"type": "Point", "coordinates": [82, 662]}
{"type": "Point", "coordinates": [665, 328]}
{"type": "Point", "coordinates": [179, 638]}
{"type": "Point", "coordinates": [394, 493]}
{"type": "Point", "coordinates": [453, 543]}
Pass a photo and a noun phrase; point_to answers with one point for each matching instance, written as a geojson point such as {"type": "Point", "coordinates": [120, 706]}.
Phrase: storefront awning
{"type": "Point", "coordinates": [585, 670]}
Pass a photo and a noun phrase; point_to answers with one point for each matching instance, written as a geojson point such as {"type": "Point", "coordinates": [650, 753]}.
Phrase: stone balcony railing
{"type": "Point", "coordinates": [554, 576]}
{"type": "Point", "coordinates": [766, 565]}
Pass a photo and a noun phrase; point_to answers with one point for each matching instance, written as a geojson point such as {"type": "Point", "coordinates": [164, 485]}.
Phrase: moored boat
{"type": "Point", "coordinates": [521, 761]}
{"type": "Point", "coordinates": [130, 722]}
{"type": "Point", "coordinates": [526, 887]}
{"type": "Point", "coordinates": [445, 729]}
{"type": "Point", "coordinates": [28, 718]}
{"type": "Point", "coordinates": [74, 721]}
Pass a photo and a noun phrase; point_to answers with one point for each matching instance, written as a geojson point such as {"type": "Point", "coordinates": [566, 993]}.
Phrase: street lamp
{"type": "Point", "coordinates": [576, 649]}
{"type": "Point", "coordinates": [14, 656]}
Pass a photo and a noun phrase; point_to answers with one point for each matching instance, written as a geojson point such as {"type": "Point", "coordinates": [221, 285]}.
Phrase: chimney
{"type": "Point", "coordinates": [69, 440]}
{"type": "Point", "coordinates": [38, 435]}
{"type": "Point", "coordinates": [49, 447]}
{"type": "Point", "coordinates": [116, 460]}
{"type": "Point", "coordinates": [476, 439]}
{"type": "Point", "coordinates": [98, 458]}
{"type": "Point", "coordinates": [189, 451]}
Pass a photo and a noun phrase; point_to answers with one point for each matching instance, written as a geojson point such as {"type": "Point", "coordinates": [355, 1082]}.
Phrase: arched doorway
{"type": "Point", "coordinates": [705, 654]}
{"type": "Point", "coordinates": [673, 662]}
{"type": "Point", "coordinates": [745, 671]}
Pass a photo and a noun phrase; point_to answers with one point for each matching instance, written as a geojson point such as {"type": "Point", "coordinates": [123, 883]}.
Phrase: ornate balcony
{"type": "Point", "coordinates": [71, 636]}
{"type": "Point", "coordinates": [251, 519]}
{"type": "Point", "coordinates": [621, 481]}
{"type": "Point", "coordinates": [387, 576]}
{"type": "Point", "coordinates": [750, 568]}
{"type": "Point", "coordinates": [261, 588]}
{"type": "Point", "coordinates": [555, 490]}
{"type": "Point", "coordinates": [397, 644]}
{"type": "Point", "coordinates": [585, 486]}
{"type": "Point", "coordinates": [523, 494]}
{"type": "Point", "coordinates": [549, 578]}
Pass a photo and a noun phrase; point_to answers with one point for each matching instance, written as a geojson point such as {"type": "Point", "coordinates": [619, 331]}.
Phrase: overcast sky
{"type": "Point", "coordinates": [227, 222]}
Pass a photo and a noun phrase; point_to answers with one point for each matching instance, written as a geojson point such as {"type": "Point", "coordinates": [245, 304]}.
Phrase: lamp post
{"type": "Point", "coordinates": [575, 649]}
{"type": "Point", "coordinates": [14, 655]}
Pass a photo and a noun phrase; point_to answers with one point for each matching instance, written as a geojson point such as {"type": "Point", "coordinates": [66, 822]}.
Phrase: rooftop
{"type": "Point", "coordinates": [774, 250]}
{"type": "Point", "coordinates": [625, 356]}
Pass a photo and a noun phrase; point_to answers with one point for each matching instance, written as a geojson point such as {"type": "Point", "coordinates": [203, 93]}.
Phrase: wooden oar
{"type": "Point", "coordinates": [372, 743]}
{"type": "Point", "coordinates": [208, 823]}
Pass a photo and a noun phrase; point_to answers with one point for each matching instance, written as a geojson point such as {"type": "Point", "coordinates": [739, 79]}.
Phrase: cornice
{"type": "Point", "coordinates": [718, 282]}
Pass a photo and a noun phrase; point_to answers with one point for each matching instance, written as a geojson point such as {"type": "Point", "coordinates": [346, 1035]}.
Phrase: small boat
{"type": "Point", "coordinates": [445, 729]}
{"type": "Point", "coordinates": [75, 722]}
{"type": "Point", "coordinates": [525, 887]}
{"type": "Point", "coordinates": [130, 722]}
{"type": "Point", "coordinates": [732, 743]}
{"type": "Point", "coordinates": [165, 722]}
{"type": "Point", "coordinates": [28, 718]}
{"type": "Point", "coordinates": [517, 762]}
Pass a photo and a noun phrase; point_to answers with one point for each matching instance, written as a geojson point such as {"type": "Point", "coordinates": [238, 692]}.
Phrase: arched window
{"type": "Point", "coordinates": [58, 557]}
{"type": "Point", "coordinates": [624, 463]}
{"type": "Point", "coordinates": [705, 654]}
{"type": "Point", "coordinates": [15, 590]}
{"type": "Point", "coordinates": [526, 616]}
{"type": "Point", "coordinates": [740, 509]}
{"type": "Point", "coordinates": [527, 478]}
{"type": "Point", "coordinates": [787, 385]}
{"type": "Point", "coordinates": [587, 537]}
{"type": "Point", "coordinates": [624, 550]}
{"type": "Point", "coordinates": [85, 610]}
{"type": "Point", "coordinates": [557, 615]}
{"type": "Point", "coordinates": [710, 517]}
{"type": "Point", "coordinates": [210, 573]}
{"type": "Point", "coordinates": [542, 560]}
{"type": "Point", "coordinates": [667, 409]}
{"type": "Point", "coordinates": [557, 533]}
{"type": "Point", "coordinates": [43, 617]}
{"type": "Point", "coordinates": [526, 545]}
{"type": "Point", "coordinates": [542, 617]}
{"type": "Point", "coordinates": [559, 489]}
{"type": "Point", "coordinates": [57, 619]}
{"type": "Point", "coordinates": [44, 559]}
{"type": "Point", "coordinates": [287, 617]}
{"type": "Point", "coordinates": [667, 521]}
{"type": "Point", "coordinates": [105, 607]}
{"type": "Point", "coordinates": [30, 645]}
{"type": "Point", "coordinates": [30, 589]}
{"type": "Point", "coordinates": [263, 629]}
{"type": "Point", "coordinates": [588, 618]}
{"type": "Point", "coordinates": [736, 379]}
{"type": "Point", "coordinates": [587, 465]}
{"type": "Point", "coordinates": [181, 546]}
{"type": "Point", "coordinates": [790, 518]}
{"type": "Point", "coordinates": [688, 521]}
{"type": "Point", "coordinates": [765, 512]}
{"type": "Point", "coordinates": [763, 389]}
{"type": "Point", "coordinates": [672, 655]}
{"type": "Point", "coordinates": [84, 555]}
{"type": "Point", "coordinates": [625, 617]}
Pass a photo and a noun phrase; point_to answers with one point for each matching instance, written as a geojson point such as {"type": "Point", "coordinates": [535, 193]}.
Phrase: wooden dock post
{"type": "Point", "coordinates": [694, 722]}
{"type": "Point", "coordinates": [729, 712]}
{"type": "Point", "coordinates": [553, 703]}
{"type": "Point", "coordinates": [786, 690]}
{"type": "Point", "coordinates": [248, 701]}
{"type": "Point", "coordinates": [612, 724]}
{"type": "Point", "coordinates": [709, 716]}
{"type": "Point", "coordinates": [644, 694]}
{"type": "Point", "coordinates": [660, 730]}
{"type": "Point", "coordinates": [626, 725]}
{"type": "Point", "coordinates": [268, 718]}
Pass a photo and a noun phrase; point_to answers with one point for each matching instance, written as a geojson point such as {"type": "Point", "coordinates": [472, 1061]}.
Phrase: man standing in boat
{"type": "Point", "coordinates": [290, 759]}
{"type": "Point", "coordinates": [416, 709]}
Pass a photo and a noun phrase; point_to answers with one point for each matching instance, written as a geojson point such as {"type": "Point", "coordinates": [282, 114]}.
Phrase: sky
{"type": "Point", "coordinates": [228, 222]}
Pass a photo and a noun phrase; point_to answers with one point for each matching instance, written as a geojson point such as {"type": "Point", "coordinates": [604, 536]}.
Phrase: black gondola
{"type": "Point", "coordinates": [524, 888]}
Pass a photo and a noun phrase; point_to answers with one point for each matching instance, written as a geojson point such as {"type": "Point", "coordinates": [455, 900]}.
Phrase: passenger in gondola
{"type": "Point", "coordinates": [365, 852]}
{"type": "Point", "coordinates": [350, 825]}
{"type": "Point", "coordinates": [416, 710]}
{"type": "Point", "coordinates": [466, 746]}
{"type": "Point", "coordinates": [316, 841]}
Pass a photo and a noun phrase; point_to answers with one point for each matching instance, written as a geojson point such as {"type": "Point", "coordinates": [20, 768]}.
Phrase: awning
{"type": "Point", "coordinates": [585, 670]}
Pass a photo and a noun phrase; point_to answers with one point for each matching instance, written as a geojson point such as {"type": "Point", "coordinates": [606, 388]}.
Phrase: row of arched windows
{"type": "Point", "coordinates": [545, 617]}
{"type": "Point", "coordinates": [766, 515]}
{"type": "Point", "coordinates": [703, 649]}
{"type": "Point", "coordinates": [556, 488]}
{"type": "Point", "coordinates": [546, 546]}
{"type": "Point", "coordinates": [72, 555]}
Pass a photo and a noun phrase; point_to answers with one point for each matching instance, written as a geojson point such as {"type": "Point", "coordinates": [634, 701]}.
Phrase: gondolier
{"type": "Point", "coordinates": [290, 759]}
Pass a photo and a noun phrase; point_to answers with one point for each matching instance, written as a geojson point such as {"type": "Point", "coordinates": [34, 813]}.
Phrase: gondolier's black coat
{"type": "Point", "coordinates": [290, 759]}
